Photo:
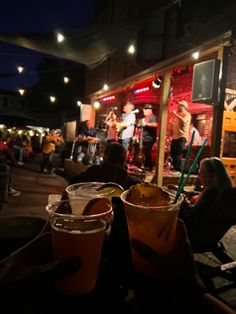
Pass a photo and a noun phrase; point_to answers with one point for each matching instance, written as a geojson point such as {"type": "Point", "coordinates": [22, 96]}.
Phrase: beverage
{"type": "Point", "coordinates": [150, 222]}
{"type": "Point", "coordinates": [80, 236]}
{"type": "Point", "coordinates": [81, 193]}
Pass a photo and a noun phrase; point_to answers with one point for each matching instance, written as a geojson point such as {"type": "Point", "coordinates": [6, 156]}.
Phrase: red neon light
{"type": "Point", "coordinates": [109, 98]}
{"type": "Point", "coordinates": [141, 90]}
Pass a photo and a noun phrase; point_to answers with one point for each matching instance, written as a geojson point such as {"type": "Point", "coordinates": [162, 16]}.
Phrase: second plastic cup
{"type": "Point", "coordinates": [153, 225]}
{"type": "Point", "coordinates": [80, 236]}
{"type": "Point", "coordinates": [80, 194]}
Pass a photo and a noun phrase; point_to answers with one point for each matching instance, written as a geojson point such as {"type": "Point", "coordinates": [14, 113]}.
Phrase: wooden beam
{"type": "Point", "coordinates": [163, 116]}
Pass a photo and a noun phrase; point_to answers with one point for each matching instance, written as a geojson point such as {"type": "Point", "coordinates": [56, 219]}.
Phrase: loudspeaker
{"type": "Point", "coordinates": [205, 82]}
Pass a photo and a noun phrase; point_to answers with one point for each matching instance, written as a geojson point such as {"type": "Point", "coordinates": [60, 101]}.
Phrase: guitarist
{"type": "Point", "coordinates": [126, 126]}
{"type": "Point", "coordinates": [149, 124]}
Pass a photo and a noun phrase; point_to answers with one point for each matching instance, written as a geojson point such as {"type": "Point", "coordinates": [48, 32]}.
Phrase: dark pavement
{"type": "Point", "coordinates": [35, 188]}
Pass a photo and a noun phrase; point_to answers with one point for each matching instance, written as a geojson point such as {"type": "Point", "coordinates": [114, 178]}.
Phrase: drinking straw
{"type": "Point", "coordinates": [180, 187]}
{"type": "Point", "coordinates": [186, 159]}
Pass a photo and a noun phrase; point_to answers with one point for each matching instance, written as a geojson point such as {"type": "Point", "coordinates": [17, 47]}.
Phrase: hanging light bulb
{"type": "Point", "coordinates": [105, 87]}
{"type": "Point", "coordinates": [21, 91]}
{"type": "Point", "coordinates": [66, 79]}
{"type": "Point", "coordinates": [79, 103]}
{"type": "Point", "coordinates": [60, 37]}
{"type": "Point", "coordinates": [96, 104]}
{"type": "Point", "coordinates": [20, 69]}
{"type": "Point", "coordinates": [52, 98]}
{"type": "Point", "coordinates": [195, 55]}
{"type": "Point", "coordinates": [131, 49]}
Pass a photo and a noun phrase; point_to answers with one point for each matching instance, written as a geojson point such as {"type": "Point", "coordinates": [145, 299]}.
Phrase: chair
{"type": "Point", "coordinates": [208, 238]}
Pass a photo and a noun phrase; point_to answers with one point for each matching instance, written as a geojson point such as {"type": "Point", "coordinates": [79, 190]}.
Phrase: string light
{"type": "Point", "coordinates": [105, 87]}
{"type": "Point", "coordinates": [60, 38]}
{"type": "Point", "coordinates": [20, 69]}
{"type": "Point", "coordinates": [96, 104]}
{"type": "Point", "coordinates": [52, 98]}
{"type": "Point", "coordinates": [195, 55]}
{"type": "Point", "coordinates": [131, 49]}
{"type": "Point", "coordinates": [21, 91]}
{"type": "Point", "coordinates": [66, 79]}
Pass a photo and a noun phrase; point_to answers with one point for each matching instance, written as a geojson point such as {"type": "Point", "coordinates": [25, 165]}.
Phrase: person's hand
{"type": "Point", "coordinates": [33, 266]}
{"type": "Point", "coordinates": [178, 271]}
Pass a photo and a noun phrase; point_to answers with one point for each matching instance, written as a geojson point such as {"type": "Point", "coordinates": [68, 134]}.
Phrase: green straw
{"type": "Point", "coordinates": [180, 187]}
{"type": "Point", "coordinates": [186, 159]}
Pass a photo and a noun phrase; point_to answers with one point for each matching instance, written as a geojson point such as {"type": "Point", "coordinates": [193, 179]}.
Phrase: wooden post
{"type": "Point", "coordinates": [219, 108]}
{"type": "Point", "coordinates": [163, 116]}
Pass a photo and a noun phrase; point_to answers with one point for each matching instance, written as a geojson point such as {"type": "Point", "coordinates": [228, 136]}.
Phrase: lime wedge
{"type": "Point", "coordinates": [111, 187]}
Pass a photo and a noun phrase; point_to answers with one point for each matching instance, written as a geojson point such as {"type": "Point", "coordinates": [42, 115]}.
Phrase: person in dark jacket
{"type": "Point", "coordinates": [113, 169]}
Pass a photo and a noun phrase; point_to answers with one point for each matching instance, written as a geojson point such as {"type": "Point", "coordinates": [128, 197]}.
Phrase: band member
{"type": "Point", "coordinates": [126, 126]}
{"type": "Point", "coordinates": [110, 122]}
{"type": "Point", "coordinates": [149, 124]}
{"type": "Point", "coordinates": [180, 130]}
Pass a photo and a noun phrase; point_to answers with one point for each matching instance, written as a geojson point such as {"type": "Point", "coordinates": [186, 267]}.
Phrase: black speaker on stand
{"type": "Point", "coordinates": [206, 82]}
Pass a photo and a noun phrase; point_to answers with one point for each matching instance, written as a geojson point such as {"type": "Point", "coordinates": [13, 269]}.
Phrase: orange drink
{"type": "Point", "coordinates": [153, 224]}
{"type": "Point", "coordinates": [80, 236]}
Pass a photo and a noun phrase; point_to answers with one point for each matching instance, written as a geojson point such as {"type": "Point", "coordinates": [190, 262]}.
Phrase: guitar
{"type": "Point", "coordinates": [139, 156]}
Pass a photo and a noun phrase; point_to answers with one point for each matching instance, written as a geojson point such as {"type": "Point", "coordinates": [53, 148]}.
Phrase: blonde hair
{"type": "Point", "coordinates": [221, 177]}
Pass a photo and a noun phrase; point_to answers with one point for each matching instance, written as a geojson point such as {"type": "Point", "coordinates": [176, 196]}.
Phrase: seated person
{"type": "Point", "coordinates": [214, 179]}
{"type": "Point", "coordinates": [113, 168]}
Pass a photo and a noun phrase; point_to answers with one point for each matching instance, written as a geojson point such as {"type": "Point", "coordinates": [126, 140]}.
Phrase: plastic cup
{"type": "Point", "coordinates": [153, 225]}
{"type": "Point", "coordinates": [80, 236]}
{"type": "Point", "coordinates": [80, 194]}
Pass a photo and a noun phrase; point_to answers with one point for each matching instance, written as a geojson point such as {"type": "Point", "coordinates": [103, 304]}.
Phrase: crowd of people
{"type": "Point", "coordinates": [15, 149]}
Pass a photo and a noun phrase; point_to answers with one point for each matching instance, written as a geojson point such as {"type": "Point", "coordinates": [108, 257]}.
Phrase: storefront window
{"type": "Point", "coordinates": [229, 147]}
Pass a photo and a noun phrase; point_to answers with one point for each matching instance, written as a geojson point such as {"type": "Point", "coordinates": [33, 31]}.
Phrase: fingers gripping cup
{"type": "Point", "coordinates": [81, 193]}
{"type": "Point", "coordinates": [152, 219]}
{"type": "Point", "coordinates": [78, 236]}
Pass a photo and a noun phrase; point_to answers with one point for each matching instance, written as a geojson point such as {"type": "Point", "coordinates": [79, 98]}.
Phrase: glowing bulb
{"type": "Point", "coordinates": [195, 55]}
{"type": "Point", "coordinates": [96, 104]}
{"type": "Point", "coordinates": [52, 98]}
{"type": "Point", "coordinates": [105, 87]}
{"type": "Point", "coordinates": [21, 91]}
{"type": "Point", "coordinates": [66, 79]}
{"type": "Point", "coordinates": [131, 49]}
{"type": "Point", "coordinates": [79, 103]}
{"type": "Point", "coordinates": [60, 38]}
{"type": "Point", "coordinates": [20, 69]}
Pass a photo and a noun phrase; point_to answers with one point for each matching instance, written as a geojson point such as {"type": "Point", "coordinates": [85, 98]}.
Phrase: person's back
{"type": "Point", "coordinates": [111, 170]}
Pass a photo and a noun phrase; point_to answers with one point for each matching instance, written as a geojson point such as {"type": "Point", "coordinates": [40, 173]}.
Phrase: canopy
{"type": "Point", "coordinates": [89, 46]}
{"type": "Point", "coordinates": [13, 117]}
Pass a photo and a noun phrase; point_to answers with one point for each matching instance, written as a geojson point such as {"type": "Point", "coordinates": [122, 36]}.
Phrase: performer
{"type": "Point", "coordinates": [110, 122]}
{"type": "Point", "coordinates": [126, 126]}
{"type": "Point", "coordinates": [149, 124]}
{"type": "Point", "coordinates": [180, 131]}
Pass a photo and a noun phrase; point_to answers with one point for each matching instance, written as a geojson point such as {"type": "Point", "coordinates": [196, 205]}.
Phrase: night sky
{"type": "Point", "coordinates": [27, 16]}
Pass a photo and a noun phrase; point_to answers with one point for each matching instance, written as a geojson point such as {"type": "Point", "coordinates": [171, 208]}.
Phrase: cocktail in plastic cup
{"type": "Point", "coordinates": [155, 225]}
{"type": "Point", "coordinates": [80, 236]}
{"type": "Point", "coordinates": [81, 193]}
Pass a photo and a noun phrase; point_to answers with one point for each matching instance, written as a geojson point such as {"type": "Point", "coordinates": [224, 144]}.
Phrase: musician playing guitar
{"type": "Point", "coordinates": [149, 124]}
{"type": "Point", "coordinates": [126, 126]}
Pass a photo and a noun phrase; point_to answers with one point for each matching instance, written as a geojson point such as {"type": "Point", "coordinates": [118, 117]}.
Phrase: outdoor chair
{"type": "Point", "coordinates": [208, 237]}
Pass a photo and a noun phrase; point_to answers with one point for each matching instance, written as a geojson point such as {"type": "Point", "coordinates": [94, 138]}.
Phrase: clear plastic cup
{"type": "Point", "coordinates": [153, 225]}
{"type": "Point", "coordinates": [80, 194]}
{"type": "Point", "coordinates": [80, 236]}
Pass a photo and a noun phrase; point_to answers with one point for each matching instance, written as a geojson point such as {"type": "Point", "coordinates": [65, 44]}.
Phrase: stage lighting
{"type": "Point", "coordinates": [157, 82]}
